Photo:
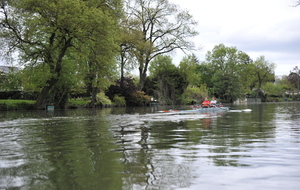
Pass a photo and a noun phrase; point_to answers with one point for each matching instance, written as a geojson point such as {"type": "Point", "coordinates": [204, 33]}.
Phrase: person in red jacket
{"type": "Point", "coordinates": [206, 103]}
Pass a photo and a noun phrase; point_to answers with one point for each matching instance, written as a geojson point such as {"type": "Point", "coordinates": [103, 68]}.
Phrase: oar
{"type": "Point", "coordinates": [164, 111]}
{"type": "Point", "coordinates": [171, 110]}
{"type": "Point", "coordinates": [239, 110]}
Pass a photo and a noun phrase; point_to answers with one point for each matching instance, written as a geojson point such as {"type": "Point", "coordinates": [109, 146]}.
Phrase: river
{"type": "Point", "coordinates": [141, 148]}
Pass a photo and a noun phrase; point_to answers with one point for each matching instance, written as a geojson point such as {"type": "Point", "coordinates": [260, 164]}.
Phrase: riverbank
{"type": "Point", "coordinates": [13, 105]}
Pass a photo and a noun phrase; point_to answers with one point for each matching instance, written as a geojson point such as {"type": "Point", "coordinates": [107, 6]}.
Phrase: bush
{"type": "Point", "coordinates": [119, 101]}
{"type": "Point", "coordinates": [193, 94]}
{"type": "Point", "coordinates": [139, 98]}
{"type": "Point", "coordinates": [103, 100]}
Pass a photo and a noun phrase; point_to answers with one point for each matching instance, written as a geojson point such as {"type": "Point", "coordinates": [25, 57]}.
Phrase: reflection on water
{"type": "Point", "coordinates": [140, 148]}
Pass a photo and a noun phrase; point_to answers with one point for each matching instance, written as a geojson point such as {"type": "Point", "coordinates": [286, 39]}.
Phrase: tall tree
{"type": "Point", "coordinates": [168, 81]}
{"type": "Point", "coordinates": [294, 77]}
{"type": "Point", "coordinates": [55, 33]}
{"type": "Point", "coordinates": [102, 50]}
{"type": "Point", "coordinates": [263, 72]}
{"type": "Point", "coordinates": [128, 39]}
{"type": "Point", "coordinates": [228, 64]}
{"type": "Point", "coordinates": [188, 70]}
{"type": "Point", "coordinates": [160, 28]}
{"type": "Point", "coordinates": [207, 72]}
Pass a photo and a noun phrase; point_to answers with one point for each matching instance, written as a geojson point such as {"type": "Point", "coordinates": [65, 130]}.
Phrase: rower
{"type": "Point", "coordinates": [206, 103]}
{"type": "Point", "coordinates": [213, 102]}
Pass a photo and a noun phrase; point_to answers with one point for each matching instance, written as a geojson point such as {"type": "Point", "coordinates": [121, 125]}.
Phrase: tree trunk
{"type": "Point", "coordinates": [142, 82]}
{"type": "Point", "coordinates": [143, 76]}
{"type": "Point", "coordinates": [43, 98]}
{"type": "Point", "coordinates": [122, 71]}
{"type": "Point", "coordinates": [95, 91]}
{"type": "Point", "coordinates": [55, 68]}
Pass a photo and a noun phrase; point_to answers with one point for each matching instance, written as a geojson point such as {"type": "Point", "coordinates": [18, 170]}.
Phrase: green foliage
{"type": "Point", "coordinates": [16, 105]}
{"type": "Point", "coordinates": [227, 87]}
{"type": "Point", "coordinates": [55, 40]}
{"type": "Point", "coordinates": [160, 65]}
{"type": "Point", "coordinates": [273, 89]}
{"type": "Point", "coordinates": [79, 102]}
{"type": "Point", "coordinates": [103, 100]}
{"type": "Point", "coordinates": [123, 88]}
{"type": "Point", "coordinates": [167, 81]}
{"type": "Point", "coordinates": [188, 70]}
{"type": "Point", "coordinates": [194, 94]}
{"type": "Point", "coordinates": [35, 77]}
{"type": "Point", "coordinates": [207, 73]}
{"type": "Point", "coordinates": [285, 83]}
{"type": "Point", "coordinates": [227, 59]}
{"type": "Point", "coordinates": [262, 71]}
{"type": "Point", "coordinates": [10, 81]}
{"type": "Point", "coordinates": [294, 77]}
{"type": "Point", "coordinates": [226, 66]}
{"type": "Point", "coordinates": [119, 101]}
{"type": "Point", "coordinates": [139, 98]}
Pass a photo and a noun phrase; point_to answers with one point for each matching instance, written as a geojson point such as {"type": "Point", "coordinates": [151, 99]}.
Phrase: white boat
{"type": "Point", "coordinates": [208, 110]}
{"type": "Point", "coordinates": [200, 110]}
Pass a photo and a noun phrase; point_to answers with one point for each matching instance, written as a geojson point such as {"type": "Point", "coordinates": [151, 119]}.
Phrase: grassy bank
{"type": "Point", "coordinates": [8, 105]}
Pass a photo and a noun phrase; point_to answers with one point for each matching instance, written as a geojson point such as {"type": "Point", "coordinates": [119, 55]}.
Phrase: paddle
{"type": "Point", "coordinates": [175, 110]}
{"type": "Point", "coordinates": [239, 110]}
{"type": "Point", "coordinates": [171, 110]}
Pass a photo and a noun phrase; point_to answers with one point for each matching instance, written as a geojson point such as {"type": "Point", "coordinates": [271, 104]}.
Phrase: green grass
{"type": "Point", "coordinates": [16, 104]}
{"type": "Point", "coordinates": [74, 102]}
{"type": "Point", "coordinates": [17, 101]}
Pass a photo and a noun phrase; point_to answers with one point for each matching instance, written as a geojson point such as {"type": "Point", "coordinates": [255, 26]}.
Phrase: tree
{"type": "Point", "coordinates": [227, 59]}
{"type": "Point", "coordinates": [226, 86]}
{"type": "Point", "coordinates": [169, 84]}
{"type": "Point", "coordinates": [188, 70]}
{"type": "Point", "coordinates": [194, 90]}
{"type": "Point", "coordinates": [54, 34]}
{"type": "Point", "coordinates": [11, 80]}
{"type": "Point", "coordinates": [294, 77]}
{"type": "Point", "coordinates": [274, 90]}
{"type": "Point", "coordinates": [206, 74]}
{"type": "Point", "coordinates": [128, 38]}
{"type": "Point", "coordinates": [160, 28]}
{"type": "Point", "coordinates": [263, 71]}
{"type": "Point", "coordinates": [126, 88]}
{"type": "Point", "coordinates": [227, 66]}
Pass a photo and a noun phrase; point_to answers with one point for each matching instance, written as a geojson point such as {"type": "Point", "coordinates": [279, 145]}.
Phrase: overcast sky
{"type": "Point", "coordinates": [256, 27]}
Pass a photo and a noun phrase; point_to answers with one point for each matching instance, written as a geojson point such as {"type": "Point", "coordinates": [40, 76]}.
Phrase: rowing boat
{"type": "Point", "coordinates": [201, 110]}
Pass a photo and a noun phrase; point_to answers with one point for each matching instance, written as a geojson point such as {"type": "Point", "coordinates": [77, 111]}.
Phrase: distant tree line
{"type": "Point", "coordinates": [75, 48]}
{"type": "Point", "coordinates": [227, 74]}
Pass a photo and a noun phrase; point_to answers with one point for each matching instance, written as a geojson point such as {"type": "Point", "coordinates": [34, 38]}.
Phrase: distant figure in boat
{"type": "Point", "coordinates": [213, 102]}
{"type": "Point", "coordinates": [206, 103]}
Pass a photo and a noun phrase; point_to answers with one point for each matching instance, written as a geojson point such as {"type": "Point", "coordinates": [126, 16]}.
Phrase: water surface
{"type": "Point", "coordinates": [140, 148]}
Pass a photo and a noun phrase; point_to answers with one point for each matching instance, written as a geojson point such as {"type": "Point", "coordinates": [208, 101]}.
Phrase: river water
{"type": "Point", "coordinates": [141, 148]}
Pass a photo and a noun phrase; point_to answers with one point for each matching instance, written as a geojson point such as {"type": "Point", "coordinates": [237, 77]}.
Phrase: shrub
{"type": "Point", "coordinates": [193, 94]}
{"type": "Point", "coordinates": [119, 101]}
{"type": "Point", "coordinates": [103, 100]}
{"type": "Point", "coordinates": [139, 98]}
